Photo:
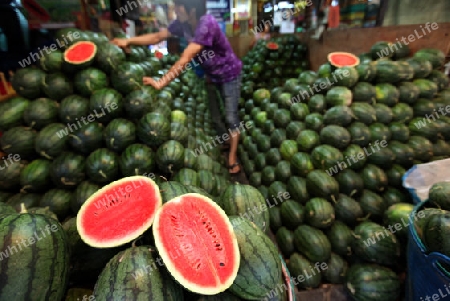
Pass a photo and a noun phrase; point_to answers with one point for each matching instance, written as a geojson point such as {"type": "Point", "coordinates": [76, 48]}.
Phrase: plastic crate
{"type": "Point", "coordinates": [425, 279]}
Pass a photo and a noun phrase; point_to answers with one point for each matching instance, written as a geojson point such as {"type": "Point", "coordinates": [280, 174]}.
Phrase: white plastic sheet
{"type": "Point", "coordinates": [419, 179]}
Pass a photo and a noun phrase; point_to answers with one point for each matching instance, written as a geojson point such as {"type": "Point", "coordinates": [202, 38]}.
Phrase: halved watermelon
{"type": "Point", "coordinates": [80, 54]}
{"type": "Point", "coordinates": [272, 46]}
{"type": "Point", "coordinates": [197, 243]}
{"type": "Point", "coordinates": [343, 59]}
{"type": "Point", "coordinates": [119, 212]}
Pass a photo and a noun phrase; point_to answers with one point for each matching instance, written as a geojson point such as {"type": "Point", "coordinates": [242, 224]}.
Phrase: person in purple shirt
{"type": "Point", "coordinates": [209, 47]}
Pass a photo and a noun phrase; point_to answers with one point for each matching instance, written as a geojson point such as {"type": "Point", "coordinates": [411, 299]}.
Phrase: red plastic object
{"type": "Point", "coordinates": [159, 55]}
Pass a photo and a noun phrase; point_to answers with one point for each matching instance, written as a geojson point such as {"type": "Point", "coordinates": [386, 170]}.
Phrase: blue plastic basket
{"type": "Point", "coordinates": [425, 278]}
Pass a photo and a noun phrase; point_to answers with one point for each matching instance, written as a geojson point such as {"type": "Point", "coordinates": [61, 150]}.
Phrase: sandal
{"type": "Point", "coordinates": [233, 166]}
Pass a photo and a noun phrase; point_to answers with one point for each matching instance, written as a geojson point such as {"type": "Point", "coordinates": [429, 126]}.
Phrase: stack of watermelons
{"type": "Point", "coordinates": [82, 120]}
{"type": "Point", "coordinates": [269, 65]}
{"type": "Point", "coordinates": [339, 141]}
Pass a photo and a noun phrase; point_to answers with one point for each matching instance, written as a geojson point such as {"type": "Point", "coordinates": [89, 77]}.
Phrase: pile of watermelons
{"type": "Point", "coordinates": [269, 65]}
{"type": "Point", "coordinates": [340, 151]}
{"type": "Point", "coordinates": [80, 124]}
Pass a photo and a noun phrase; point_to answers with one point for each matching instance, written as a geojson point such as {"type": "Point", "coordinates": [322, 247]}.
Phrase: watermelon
{"type": "Point", "coordinates": [313, 243]}
{"type": "Point", "coordinates": [105, 105]}
{"type": "Point", "coordinates": [11, 112]}
{"type": "Point", "coordinates": [260, 265]}
{"type": "Point", "coordinates": [119, 134]}
{"type": "Point", "coordinates": [26, 200]}
{"type": "Point", "coordinates": [336, 270]}
{"type": "Point", "coordinates": [87, 138]}
{"type": "Point", "coordinates": [57, 86]}
{"type": "Point", "coordinates": [247, 202]}
{"type": "Point", "coordinates": [102, 166]}
{"type": "Point", "coordinates": [10, 175]}
{"type": "Point", "coordinates": [51, 62]}
{"type": "Point", "coordinates": [319, 213]}
{"type": "Point", "coordinates": [109, 57]}
{"type": "Point", "coordinates": [83, 191]}
{"type": "Point", "coordinates": [207, 269]}
{"type": "Point", "coordinates": [127, 77]}
{"type": "Point", "coordinates": [341, 238]}
{"type": "Point", "coordinates": [136, 159]}
{"type": "Point", "coordinates": [339, 96]}
{"type": "Point", "coordinates": [343, 59]}
{"type": "Point", "coordinates": [67, 170]}
{"type": "Point", "coordinates": [307, 273]}
{"type": "Point", "coordinates": [73, 108]}
{"type": "Point", "coordinates": [51, 263]}
{"type": "Point", "coordinates": [148, 277]}
{"type": "Point", "coordinates": [153, 129]}
{"type": "Point", "coordinates": [89, 80]}
{"type": "Point", "coordinates": [36, 176]}
{"type": "Point", "coordinates": [27, 82]}
{"type": "Point", "coordinates": [376, 244]}
{"type": "Point", "coordinates": [371, 282]}
{"type": "Point", "coordinates": [40, 113]}
{"type": "Point", "coordinates": [80, 55]}
{"type": "Point", "coordinates": [18, 141]}
{"type": "Point", "coordinates": [131, 202]}
{"type": "Point", "coordinates": [170, 157]}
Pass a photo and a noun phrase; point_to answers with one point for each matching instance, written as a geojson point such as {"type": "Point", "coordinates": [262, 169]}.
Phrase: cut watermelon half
{"type": "Point", "coordinates": [343, 59]}
{"type": "Point", "coordinates": [272, 46]}
{"type": "Point", "coordinates": [196, 241]}
{"type": "Point", "coordinates": [81, 54]}
{"type": "Point", "coordinates": [119, 212]}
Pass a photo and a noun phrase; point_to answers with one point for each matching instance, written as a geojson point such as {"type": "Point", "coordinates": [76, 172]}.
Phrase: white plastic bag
{"type": "Point", "coordinates": [419, 179]}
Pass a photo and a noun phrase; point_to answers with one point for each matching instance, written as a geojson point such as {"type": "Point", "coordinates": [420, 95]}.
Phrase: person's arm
{"type": "Point", "coordinates": [143, 40]}
{"type": "Point", "coordinates": [177, 69]}
{"type": "Point", "coordinates": [149, 39]}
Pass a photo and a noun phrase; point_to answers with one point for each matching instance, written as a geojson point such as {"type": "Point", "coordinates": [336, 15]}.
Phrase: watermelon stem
{"type": "Point", "coordinates": [63, 180]}
{"type": "Point", "coordinates": [133, 244]}
{"type": "Point", "coordinates": [23, 209]}
{"type": "Point", "coordinates": [76, 138]}
{"type": "Point", "coordinates": [43, 154]}
{"type": "Point", "coordinates": [23, 190]}
{"type": "Point", "coordinates": [362, 219]}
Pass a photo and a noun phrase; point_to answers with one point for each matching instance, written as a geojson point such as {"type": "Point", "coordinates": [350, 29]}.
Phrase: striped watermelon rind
{"type": "Point", "coordinates": [37, 258]}
{"type": "Point", "coordinates": [139, 268]}
{"type": "Point", "coordinates": [260, 269]}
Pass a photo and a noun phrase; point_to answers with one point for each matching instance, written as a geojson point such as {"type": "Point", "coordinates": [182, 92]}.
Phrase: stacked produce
{"type": "Point", "coordinates": [83, 120]}
{"type": "Point", "coordinates": [338, 141]}
{"type": "Point", "coordinates": [270, 65]}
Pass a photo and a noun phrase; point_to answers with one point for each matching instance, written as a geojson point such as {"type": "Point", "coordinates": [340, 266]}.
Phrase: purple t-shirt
{"type": "Point", "coordinates": [222, 65]}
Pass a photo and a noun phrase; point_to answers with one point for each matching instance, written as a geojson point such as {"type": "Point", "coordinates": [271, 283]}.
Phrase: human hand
{"type": "Point", "coordinates": [122, 43]}
{"type": "Point", "coordinates": [148, 81]}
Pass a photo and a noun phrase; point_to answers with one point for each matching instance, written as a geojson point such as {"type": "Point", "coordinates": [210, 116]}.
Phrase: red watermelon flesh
{"type": "Point", "coordinates": [80, 52]}
{"type": "Point", "coordinates": [343, 59]}
{"type": "Point", "coordinates": [196, 241]}
{"type": "Point", "coordinates": [119, 212]}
